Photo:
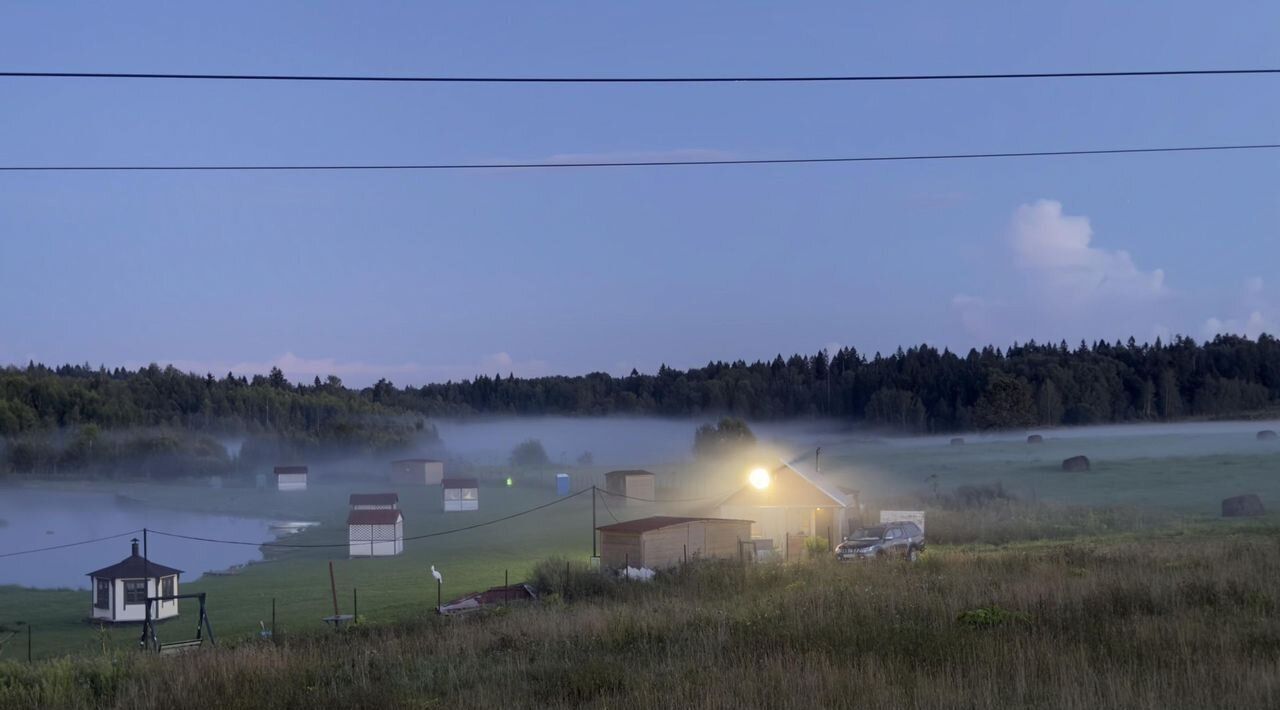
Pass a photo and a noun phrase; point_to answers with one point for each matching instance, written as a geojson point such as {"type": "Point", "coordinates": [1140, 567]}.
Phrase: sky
{"type": "Point", "coordinates": [421, 277]}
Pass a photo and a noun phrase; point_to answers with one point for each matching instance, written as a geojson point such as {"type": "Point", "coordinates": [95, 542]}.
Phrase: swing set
{"type": "Point", "coordinates": [148, 639]}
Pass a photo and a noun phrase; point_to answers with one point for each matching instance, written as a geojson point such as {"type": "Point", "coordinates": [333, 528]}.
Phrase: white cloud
{"type": "Point", "coordinates": [1253, 319]}
{"type": "Point", "coordinates": [1056, 252]}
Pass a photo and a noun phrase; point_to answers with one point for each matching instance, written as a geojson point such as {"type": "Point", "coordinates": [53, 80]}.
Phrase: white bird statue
{"type": "Point", "coordinates": [434, 573]}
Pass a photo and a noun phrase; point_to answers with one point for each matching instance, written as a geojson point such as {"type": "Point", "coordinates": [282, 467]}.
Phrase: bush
{"type": "Point", "coordinates": [571, 581]}
{"type": "Point", "coordinates": [529, 454]}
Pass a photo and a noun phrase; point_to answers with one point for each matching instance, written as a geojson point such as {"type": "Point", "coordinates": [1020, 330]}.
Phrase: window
{"type": "Point", "coordinates": [166, 586]}
{"type": "Point", "coordinates": [469, 494]}
{"type": "Point", "coordinates": [135, 591]}
{"type": "Point", "coordinates": [452, 494]}
{"type": "Point", "coordinates": [103, 598]}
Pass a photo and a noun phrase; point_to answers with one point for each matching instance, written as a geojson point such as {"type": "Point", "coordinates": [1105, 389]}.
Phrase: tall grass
{"type": "Point", "coordinates": [1162, 622]}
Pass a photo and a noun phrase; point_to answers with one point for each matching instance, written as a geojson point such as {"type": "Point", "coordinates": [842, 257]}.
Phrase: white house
{"type": "Point", "coordinates": [460, 494]}
{"type": "Point", "coordinates": [419, 472]}
{"type": "Point", "coordinates": [120, 591]}
{"type": "Point", "coordinates": [291, 478]}
{"type": "Point", "coordinates": [377, 532]}
{"type": "Point", "coordinates": [374, 501]}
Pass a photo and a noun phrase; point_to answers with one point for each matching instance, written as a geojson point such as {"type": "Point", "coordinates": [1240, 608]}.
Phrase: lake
{"type": "Point", "coordinates": [32, 518]}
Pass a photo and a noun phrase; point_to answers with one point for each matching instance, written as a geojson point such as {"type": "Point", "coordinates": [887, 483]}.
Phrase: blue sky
{"type": "Point", "coordinates": [421, 277]}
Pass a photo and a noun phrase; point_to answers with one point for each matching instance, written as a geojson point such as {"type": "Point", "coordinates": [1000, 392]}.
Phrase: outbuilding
{"type": "Point", "coordinates": [460, 494]}
{"type": "Point", "coordinates": [291, 478]}
{"type": "Point", "coordinates": [792, 505]}
{"type": "Point", "coordinates": [665, 541]}
{"type": "Point", "coordinates": [120, 591]}
{"type": "Point", "coordinates": [632, 487]}
{"type": "Point", "coordinates": [374, 501]}
{"type": "Point", "coordinates": [375, 532]}
{"type": "Point", "coordinates": [417, 472]}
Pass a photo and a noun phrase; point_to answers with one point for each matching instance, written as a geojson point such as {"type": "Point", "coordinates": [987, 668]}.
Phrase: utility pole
{"type": "Point", "coordinates": [593, 521]}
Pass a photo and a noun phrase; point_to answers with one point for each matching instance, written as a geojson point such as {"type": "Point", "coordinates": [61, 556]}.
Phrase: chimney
{"type": "Point", "coordinates": [135, 546]}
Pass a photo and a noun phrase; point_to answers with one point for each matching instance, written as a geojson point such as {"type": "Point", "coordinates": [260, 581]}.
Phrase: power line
{"type": "Point", "coordinates": [813, 78]}
{"type": "Point", "coordinates": [637, 164]}
{"type": "Point", "coordinates": [346, 544]}
{"type": "Point", "coordinates": [69, 544]}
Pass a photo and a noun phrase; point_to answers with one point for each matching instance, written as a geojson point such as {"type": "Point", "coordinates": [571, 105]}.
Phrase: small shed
{"type": "Point", "coordinates": [665, 541]}
{"type": "Point", "coordinates": [636, 485]}
{"type": "Point", "coordinates": [460, 494]}
{"type": "Point", "coordinates": [562, 484]}
{"type": "Point", "coordinates": [417, 472]}
{"type": "Point", "coordinates": [375, 532]}
{"type": "Point", "coordinates": [120, 591]}
{"type": "Point", "coordinates": [374, 501]}
{"type": "Point", "coordinates": [291, 478]}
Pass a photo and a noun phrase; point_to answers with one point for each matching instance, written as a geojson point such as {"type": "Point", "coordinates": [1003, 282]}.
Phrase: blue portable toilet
{"type": "Point", "coordinates": [562, 484]}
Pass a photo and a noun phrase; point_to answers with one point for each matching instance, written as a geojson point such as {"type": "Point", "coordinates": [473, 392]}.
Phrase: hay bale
{"type": "Point", "coordinates": [957, 441]}
{"type": "Point", "coordinates": [1076, 463]}
{"type": "Point", "coordinates": [1266, 435]}
{"type": "Point", "coordinates": [1035, 439]}
{"type": "Point", "coordinates": [1240, 506]}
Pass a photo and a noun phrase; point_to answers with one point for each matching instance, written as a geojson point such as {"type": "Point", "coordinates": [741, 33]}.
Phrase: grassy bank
{"type": "Point", "coordinates": [1180, 618]}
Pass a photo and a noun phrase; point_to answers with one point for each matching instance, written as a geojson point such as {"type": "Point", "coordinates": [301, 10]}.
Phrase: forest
{"type": "Point", "coordinates": [919, 389]}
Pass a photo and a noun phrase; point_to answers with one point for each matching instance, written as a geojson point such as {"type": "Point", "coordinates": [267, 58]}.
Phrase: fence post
{"type": "Point", "coordinates": [273, 619]}
{"type": "Point", "coordinates": [28, 643]}
{"type": "Point", "coordinates": [355, 605]}
{"type": "Point", "coordinates": [506, 585]}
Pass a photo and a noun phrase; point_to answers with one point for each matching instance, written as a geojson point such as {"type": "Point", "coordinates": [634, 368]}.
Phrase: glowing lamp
{"type": "Point", "coordinates": [510, 482]}
{"type": "Point", "coordinates": [760, 478]}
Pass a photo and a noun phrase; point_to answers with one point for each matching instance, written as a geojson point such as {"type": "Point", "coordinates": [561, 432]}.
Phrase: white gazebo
{"type": "Point", "coordinates": [374, 501]}
{"type": "Point", "coordinates": [376, 532]}
{"type": "Point", "coordinates": [120, 591]}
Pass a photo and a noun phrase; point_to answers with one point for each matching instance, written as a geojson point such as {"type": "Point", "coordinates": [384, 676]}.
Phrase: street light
{"type": "Point", "coordinates": [760, 478]}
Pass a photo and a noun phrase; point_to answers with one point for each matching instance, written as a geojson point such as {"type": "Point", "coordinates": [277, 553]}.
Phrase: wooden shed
{"type": "Point", "coordinates": [375, 533]}
{"type": "Point", "coordinates": [120, 591]}
{"type": "Point", "coordinates": [374, 501]}
{"type": "Point", "coordinates": [417, 472]}
{"type": "Point", "coordinates": [636, 485]}
{"type": "Point", "coordinates": [460, 494]}
{"type": "Point", "coordinates": [291, 478]}
{"type": "Point", "coordinates": [798, 503]}
{"type": "Point", "coordinates": [665, 541]}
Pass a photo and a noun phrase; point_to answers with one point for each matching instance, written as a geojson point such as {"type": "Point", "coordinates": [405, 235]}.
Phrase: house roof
{"type": "Point", "coordinates": [134, 567]}
{"type": "Point", "coordinates": [795, 483]}
{"type": "Point", "coordinates": [459, 483]}
{"type": "Point", "coordinates": [373, 499]}
{"type": "Point", "coordinates": [628, 473]}
{"type": "Point", "coordinates": [377, 516]}
{"type": "Point", "coordinates": [657, 522]}
{"type": "Point", "coordinates": [279, 470]}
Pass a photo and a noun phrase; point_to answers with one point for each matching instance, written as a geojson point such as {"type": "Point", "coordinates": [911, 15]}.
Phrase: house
{"type": "Point", "coordinates": [291, 478]}
{"type": "Point", "coordinates": [120, 591]}
{"type": "Point", "coordinates": [665, 541]}
{"type": "Point", "coordinates": [494, 596]}
{"type": "Point", "coordinates": [374, 501]}
{"type": "Point", "coordinates": [460, 494]}
{"type": "Point", "coordinates": [631, 487]}
{"type": "Point", "coordinates": [377, 532]}
{"type": "Point", "coordinates": [417, 472]}
{"type": "Point", "coordinates": [795, 504]}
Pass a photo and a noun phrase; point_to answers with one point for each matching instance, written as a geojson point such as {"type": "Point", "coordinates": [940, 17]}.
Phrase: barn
{"type": "Point", "coordinates": [377, 532]}
{"type": "Point", "coordinates": [374, 501]}
{"type": "Point", "coordinates": [460, 494]}
{"type": "Point", "coordinates": [120, 591]}
{"type": "Point", "coordinates": [291, 478]}
{"type": "Point", "coordinates": [636, 485]}
{"type": "Point", "coordinates": [793, 504]}
{"type": "Point", "coordinates": [417, 472]}
{"type": "Point", "coordinates": [665, 541]}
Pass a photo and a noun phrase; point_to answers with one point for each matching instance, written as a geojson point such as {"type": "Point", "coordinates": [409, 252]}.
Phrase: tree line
{"type": "Point", "coordinates": [918, 389]}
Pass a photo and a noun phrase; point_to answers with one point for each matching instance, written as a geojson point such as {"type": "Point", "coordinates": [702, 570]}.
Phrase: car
{"type": "Point", "coordinates": [905, 540]}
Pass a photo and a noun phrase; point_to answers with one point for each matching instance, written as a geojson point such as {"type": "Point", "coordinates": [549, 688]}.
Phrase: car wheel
{"type": "Point", "coordinates": [913, 555]}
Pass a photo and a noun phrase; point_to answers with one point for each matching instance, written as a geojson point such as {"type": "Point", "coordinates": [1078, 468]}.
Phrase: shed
{"type": "Point", "coordinates": [664, 541]}
{"type": "Point", "coordinates": [374, 501]}
{"type": "Point", "coordinates": [797, 503]}
{"type": "Point", "coordinates": [460, 494]}
{"type": "Point", "coordinates": [375, 532]}
{"type": "Point", "coordinates": [291, 478]}
{"type": "Point", "coordinates": [636, 485]}
{"type": "Point", "coordinates": [417, 472]}
{"type": "Point", "coordinates": [120, 591]}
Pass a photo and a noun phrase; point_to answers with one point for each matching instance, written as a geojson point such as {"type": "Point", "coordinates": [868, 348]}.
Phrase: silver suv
{"type": "Point", "coordinates": [905, 540]}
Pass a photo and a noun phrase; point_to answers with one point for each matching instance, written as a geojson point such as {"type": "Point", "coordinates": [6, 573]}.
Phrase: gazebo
{"type": "Point", "coordinates": [120, 591]}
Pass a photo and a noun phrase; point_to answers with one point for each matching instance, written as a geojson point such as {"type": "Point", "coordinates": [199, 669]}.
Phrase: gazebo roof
{"type": "Point", "coordinates": [134, 567]}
